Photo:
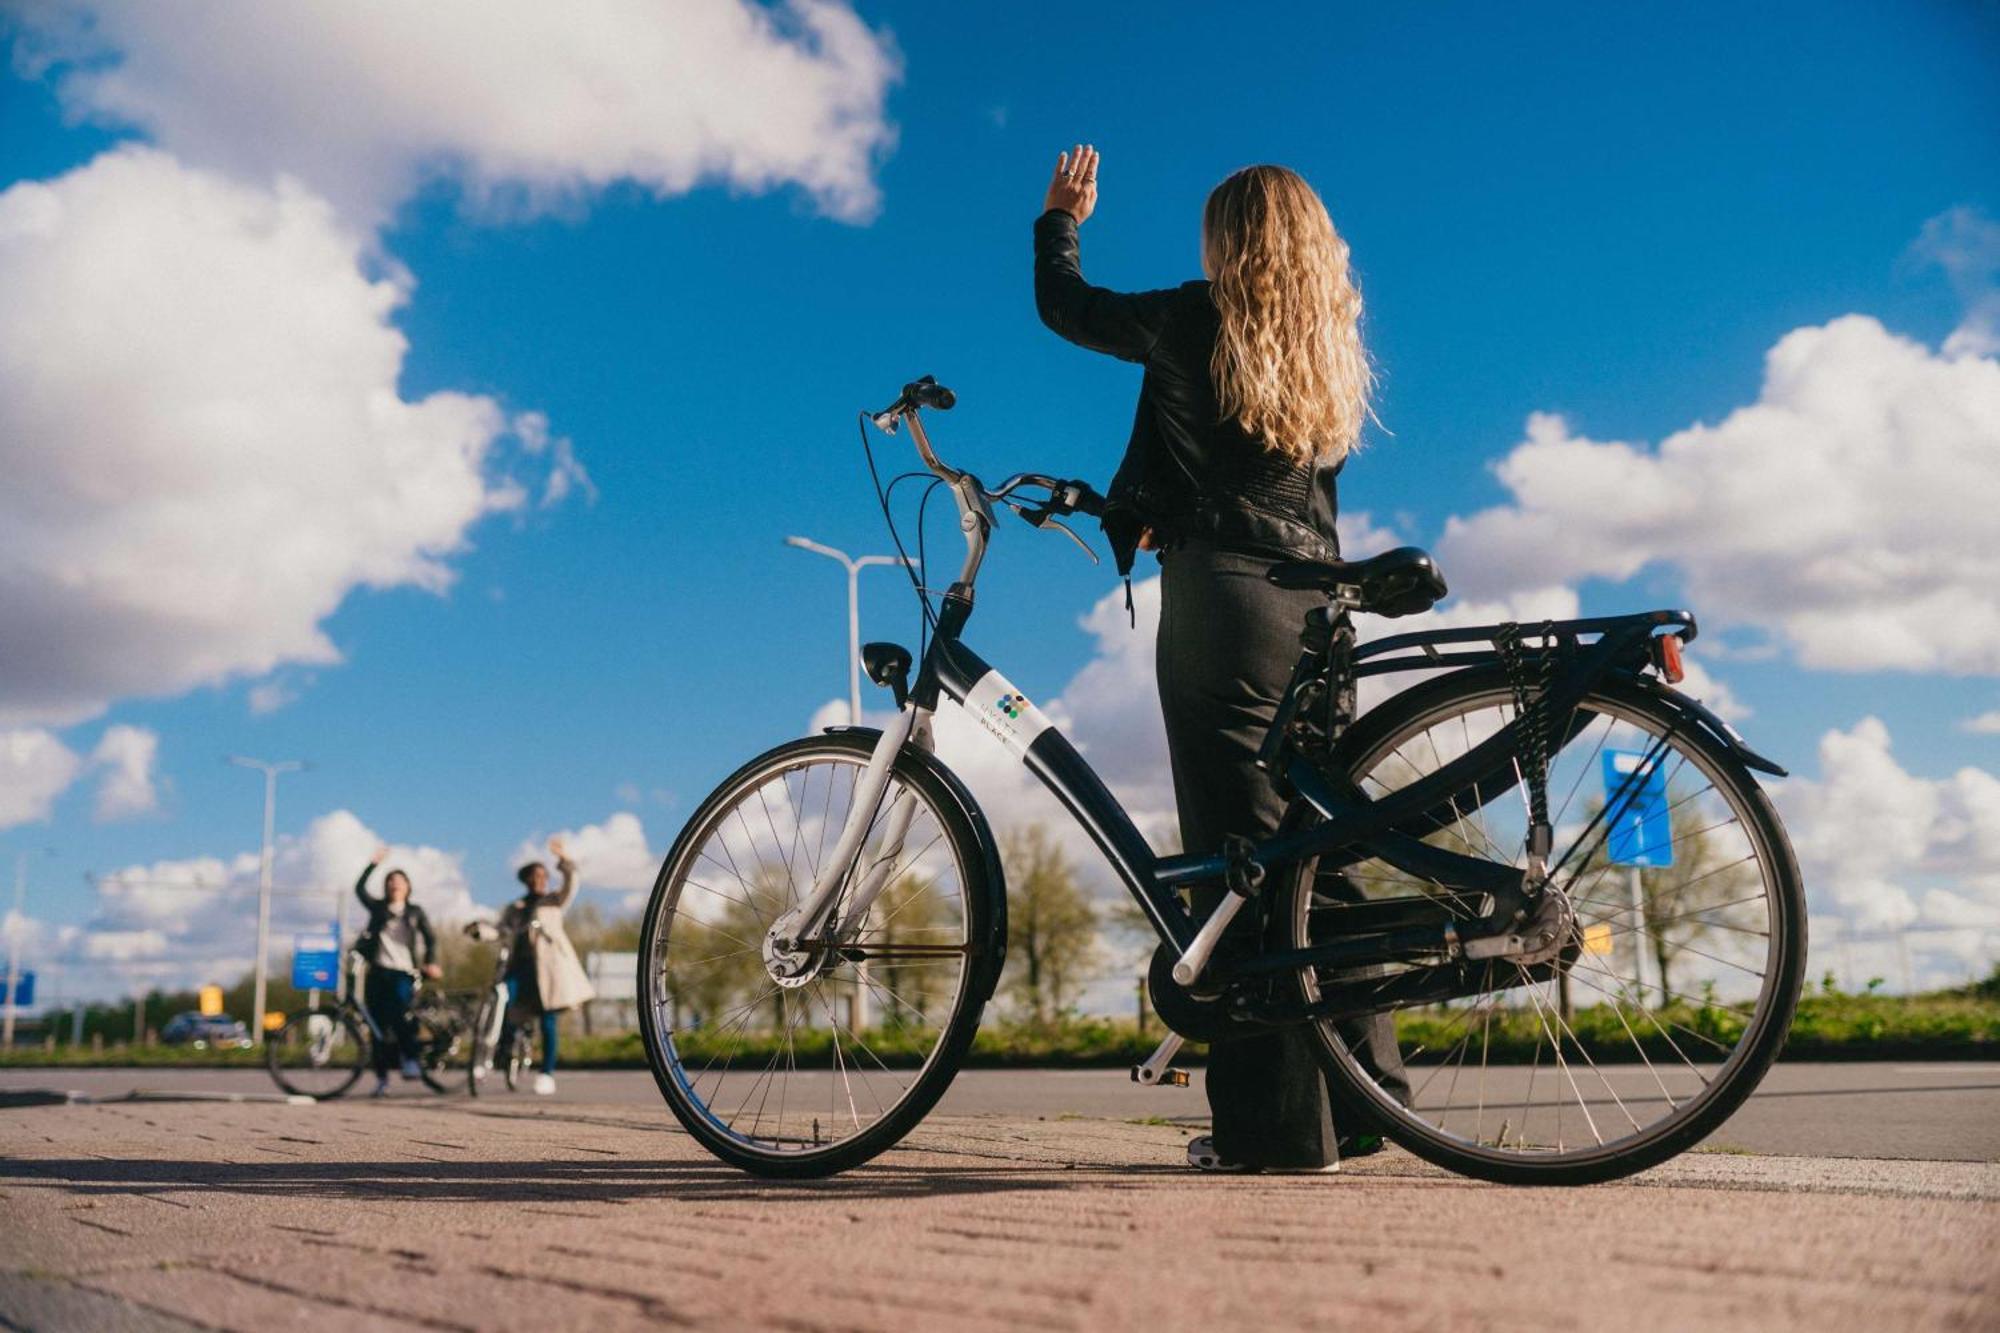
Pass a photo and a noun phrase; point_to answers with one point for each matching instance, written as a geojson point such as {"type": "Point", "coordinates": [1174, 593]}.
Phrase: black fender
{"type": "Point", "coordinates": [987, 846]}
{"type": "Point", "coordinates": [1722, 733]}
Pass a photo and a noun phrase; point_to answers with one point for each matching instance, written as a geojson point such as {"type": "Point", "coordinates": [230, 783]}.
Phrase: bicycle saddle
{"type": "Point", "coordinates": [1401, 582]}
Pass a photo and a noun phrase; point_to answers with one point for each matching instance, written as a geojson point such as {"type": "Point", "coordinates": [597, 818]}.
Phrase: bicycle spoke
{"type": "Point", "coordinates": [1620, 1066]}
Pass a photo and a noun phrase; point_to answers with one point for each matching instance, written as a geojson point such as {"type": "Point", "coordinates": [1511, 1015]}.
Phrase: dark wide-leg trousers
{"type": "Point", "coordinates": [1228, 642]}
{"type": "Point", "coordinates": [388, 995]}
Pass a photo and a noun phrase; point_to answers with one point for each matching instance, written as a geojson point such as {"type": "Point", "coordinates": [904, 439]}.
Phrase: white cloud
{"type": "Point", "coordinates": [1985, 724]}
{"type": "Point", "coordinates": [1361, 536]}
{"type": "Point", "coordinates": [1849, 510]}
{"type": "Point", "coordinates": [127, 787]}
{"type": "Point", "coordinates": [199, 414]}
{"type": "Point", "coordinates": [566, 471]}
{"type": "Point", "coordinates": [1887, 849]}
{"type": "Point", "coordinates": [204, 443]}
{"type": "Point", "coordinates": [612, 855]}
{"type": "Point", "coordinates": [1966, 245]}
{"type": "Point", "coordinates": [35, 768]}
{"type": "Point", "coordinates": [527, 105]}
{"type": "Point", "coordinates": [268, 696]}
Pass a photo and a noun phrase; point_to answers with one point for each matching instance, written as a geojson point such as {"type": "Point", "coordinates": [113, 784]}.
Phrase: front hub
{"type": "Point", "coordinates": [789, 966]}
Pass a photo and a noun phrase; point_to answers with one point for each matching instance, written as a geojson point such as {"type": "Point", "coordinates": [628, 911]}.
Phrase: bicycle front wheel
{"type": "Point", "coordinates": [1679, 975]}
{"type": "Point", "coordinates": [804, 1075]}
{"type": "Point", "coordinates": [484, 1039]}
{"type": "Point", "coordinates": [441, 1039]}
{"type": "Point", "coordinates": [318, 1053]}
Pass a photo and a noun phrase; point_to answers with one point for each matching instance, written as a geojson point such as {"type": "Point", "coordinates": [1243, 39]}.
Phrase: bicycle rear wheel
{"type": "Point", "coordinates": [318, 1053]}
{"type": "Point", "coordinates": [805, 1076]}
{"type": "Point", "coordinates": [1678, 980]}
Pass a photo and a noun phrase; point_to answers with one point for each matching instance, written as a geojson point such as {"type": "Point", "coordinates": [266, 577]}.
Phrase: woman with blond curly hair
{"type": "Point", "coordinates": [1255, 391]}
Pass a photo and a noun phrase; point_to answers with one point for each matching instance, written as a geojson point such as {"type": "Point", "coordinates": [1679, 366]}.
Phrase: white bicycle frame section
{"type": "Point", "coordinates": [1003, 712]}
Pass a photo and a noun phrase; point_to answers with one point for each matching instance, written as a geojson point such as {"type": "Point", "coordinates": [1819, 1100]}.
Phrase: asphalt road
{"type": "Point", "coordinates": [1931, 1112]}
{"type": "Point", "coordinates": [522, 1213]}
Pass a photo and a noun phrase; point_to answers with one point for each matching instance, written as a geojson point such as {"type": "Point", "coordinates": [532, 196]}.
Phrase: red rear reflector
{"type": "Point", "coordinates": [1667, 652]}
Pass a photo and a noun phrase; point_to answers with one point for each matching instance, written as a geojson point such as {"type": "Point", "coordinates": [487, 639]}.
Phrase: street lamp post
{"type": "Point", "coordinates": [853, 566]}
{"type": "Point", "coordinates": [270, 772]}
{"type": "Point", "coordinates": [14, 947]}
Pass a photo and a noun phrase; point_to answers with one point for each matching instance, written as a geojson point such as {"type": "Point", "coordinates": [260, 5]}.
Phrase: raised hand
{"type": "Point", "coordinates": [556, 848]}
{"type": "Point", "coordinates": [1073, 188]}
{"type": "Point", "coordinates": [381, 855]}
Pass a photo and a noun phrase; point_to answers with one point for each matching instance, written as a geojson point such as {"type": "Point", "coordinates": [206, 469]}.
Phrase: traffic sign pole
{"type": "Point", "coordinates": [1640, 940]}
{"type": "Point", "coordinates": [1640, 835]}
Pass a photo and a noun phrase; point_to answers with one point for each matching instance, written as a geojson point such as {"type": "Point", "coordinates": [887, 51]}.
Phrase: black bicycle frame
{"type": "Point", "coordinates": [1353, 827]}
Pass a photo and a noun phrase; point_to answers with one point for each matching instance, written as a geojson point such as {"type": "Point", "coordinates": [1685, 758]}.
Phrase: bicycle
{"type": "Point", "coordinates": [496, 1025]}
{"type": "Point", "coordinates": [1440, 861]}
{"type": "Point", "coordinates": [321, 1050]}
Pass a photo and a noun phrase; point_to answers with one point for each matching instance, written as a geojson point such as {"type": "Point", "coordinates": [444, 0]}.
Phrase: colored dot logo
{"type": "Point", "coordinates": [1012, 704]}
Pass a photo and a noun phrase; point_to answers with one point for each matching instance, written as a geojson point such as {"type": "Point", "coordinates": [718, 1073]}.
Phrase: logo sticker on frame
{"type": "Point", "coordinates": [1005, 712]}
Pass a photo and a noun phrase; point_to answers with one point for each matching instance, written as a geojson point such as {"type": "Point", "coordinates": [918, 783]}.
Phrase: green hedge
{"type": "Point", "coordinates": [1831, 1025]}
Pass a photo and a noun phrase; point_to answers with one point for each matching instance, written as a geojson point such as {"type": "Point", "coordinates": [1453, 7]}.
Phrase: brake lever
{"type": "Point", "coordinates": [1069, 532]}
{"type": "Point", "coordinates": [1043, 517]}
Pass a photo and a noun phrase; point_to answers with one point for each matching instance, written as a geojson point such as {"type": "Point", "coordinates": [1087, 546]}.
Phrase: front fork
{"type": "Point", "coordinates": [814, 919]}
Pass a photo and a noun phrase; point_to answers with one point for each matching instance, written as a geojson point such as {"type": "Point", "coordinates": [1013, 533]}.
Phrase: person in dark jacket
{"type": "Point", "coordinates": [398, 945]}
{"type": "Point", "coordinates": [1255, 391]}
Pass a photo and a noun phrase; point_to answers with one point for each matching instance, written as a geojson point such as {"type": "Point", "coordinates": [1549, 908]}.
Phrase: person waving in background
{"type": "Point", "coordinates": [397, 944]}
{"type": "Point", "coordinates": [1255, 391]}
{"type": "Point", "coordinates": [543, 974]}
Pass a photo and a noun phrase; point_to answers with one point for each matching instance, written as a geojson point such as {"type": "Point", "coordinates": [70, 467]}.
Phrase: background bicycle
{"type": "Point", "coordinates": [501, 1039]}
{"type": "Point", "coordinates": [324, 1048]}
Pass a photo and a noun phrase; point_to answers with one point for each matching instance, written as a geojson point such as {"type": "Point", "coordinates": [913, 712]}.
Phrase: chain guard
{"type": "Point", "coordinates": [1196, 1017]}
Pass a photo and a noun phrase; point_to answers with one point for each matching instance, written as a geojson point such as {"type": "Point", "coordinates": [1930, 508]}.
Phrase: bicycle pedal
{"type": "Point", "coordinates": [1166, 1078]}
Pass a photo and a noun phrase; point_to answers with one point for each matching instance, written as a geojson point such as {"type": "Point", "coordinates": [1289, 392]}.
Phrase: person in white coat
{"type": "Point", "coordinates": [543, 976]}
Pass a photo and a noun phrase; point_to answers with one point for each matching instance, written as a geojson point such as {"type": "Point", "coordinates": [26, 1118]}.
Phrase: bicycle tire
{"type": "Point", "coordinates": [1738, 1074]}
{"type": "Point", "coordinates": [482, 1047]}
{"type": "Point", "coordinates": [295, 1030]}
{"type": "Point", "coordinates": [978, 874]}
{"type": "Point", "coordinates": [439, 1033]}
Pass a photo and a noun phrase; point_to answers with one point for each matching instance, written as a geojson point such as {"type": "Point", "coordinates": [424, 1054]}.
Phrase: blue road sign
{"type": "Point", "coordinates": [24, 988]}
{"type": "Point", "coordinates": [315, 961]}
{"type": "Point", "coordinates": [1642, 832]}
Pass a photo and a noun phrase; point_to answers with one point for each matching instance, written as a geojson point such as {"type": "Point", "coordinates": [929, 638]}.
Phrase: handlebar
{"type": "Point", "coordinates": [918, 393]}
{"type": "Point", "coordinates": [1065, 497]}
{"type": "Point", "coordinates": [975, 500]}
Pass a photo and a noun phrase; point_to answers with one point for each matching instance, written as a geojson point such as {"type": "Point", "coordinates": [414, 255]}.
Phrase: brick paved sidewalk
{"type": "Point", "coordinates": [444, 1216]}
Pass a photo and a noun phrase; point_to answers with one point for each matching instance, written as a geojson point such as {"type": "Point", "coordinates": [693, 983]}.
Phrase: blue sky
{"type": "Point", "coordinates": [1610, 213]}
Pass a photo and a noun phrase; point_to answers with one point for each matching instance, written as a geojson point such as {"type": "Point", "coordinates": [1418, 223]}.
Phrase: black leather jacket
{"type": "Point", "coordinates": [1187, 473]}
{"type": "Point", "coordinates": [423, 940]}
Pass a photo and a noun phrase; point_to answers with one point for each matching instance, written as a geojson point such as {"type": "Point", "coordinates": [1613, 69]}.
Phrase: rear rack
{"type": "Point", "coordinates": [1419, 650]}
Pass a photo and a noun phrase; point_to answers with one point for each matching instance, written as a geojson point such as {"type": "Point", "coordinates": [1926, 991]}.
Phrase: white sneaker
{"type": "Point", "coordinates": [1202, 1156]}
{"type": "Point", "coordinates": [480, 1071]}
{"type": "Point", "coordinates": [544, 1084]}
{"type": "Point", "coordinates": [411, 1069]}
{"type": "Point", "coordinates": [381, 1086]}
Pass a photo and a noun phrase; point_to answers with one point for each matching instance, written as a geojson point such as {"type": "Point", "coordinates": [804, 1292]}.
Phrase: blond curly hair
{"type": "Point", "coordinates": [1289, 364]}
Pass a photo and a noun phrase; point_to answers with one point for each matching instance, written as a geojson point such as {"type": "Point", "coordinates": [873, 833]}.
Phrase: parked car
{"type": "Point", "coordinates": [202, 1031]}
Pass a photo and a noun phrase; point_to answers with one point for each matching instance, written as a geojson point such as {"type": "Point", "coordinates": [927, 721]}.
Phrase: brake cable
{"type": "Point", "coordinates": [912, 571]}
